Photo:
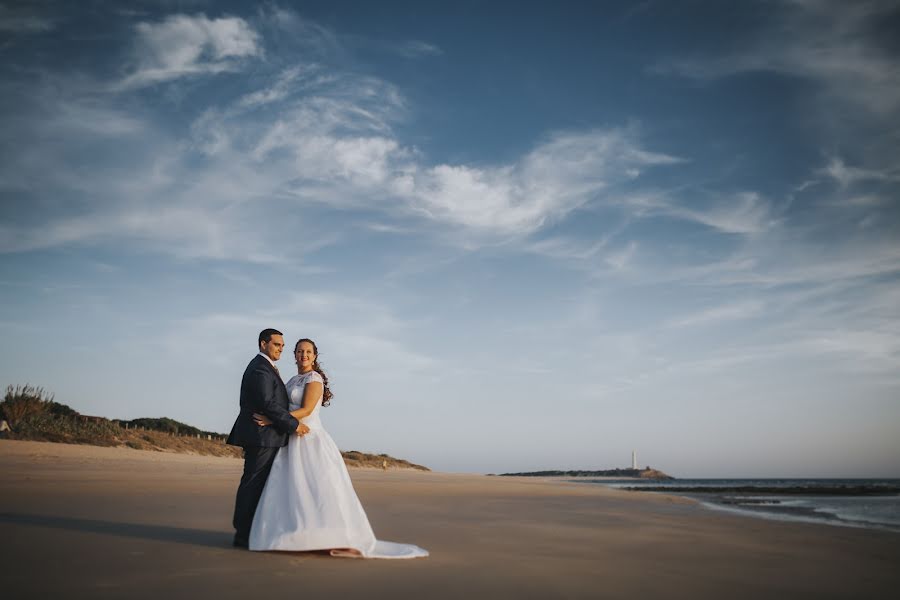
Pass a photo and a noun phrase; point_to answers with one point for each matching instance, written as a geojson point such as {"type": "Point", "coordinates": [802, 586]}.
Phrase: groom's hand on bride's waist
{"type": "Point", "coordinates": [261, 420]}
{"type": "Point", "coordinates": [302, 429]}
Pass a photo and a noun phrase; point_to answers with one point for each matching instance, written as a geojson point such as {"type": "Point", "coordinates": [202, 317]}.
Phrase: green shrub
{"type": "Point", "coordinates": [23, 401]}
{"type": "Point", "coordinates": [60, 410]}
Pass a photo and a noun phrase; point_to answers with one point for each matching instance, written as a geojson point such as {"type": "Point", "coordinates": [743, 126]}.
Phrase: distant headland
{"type": "Point", "coordinates": [646, 473]}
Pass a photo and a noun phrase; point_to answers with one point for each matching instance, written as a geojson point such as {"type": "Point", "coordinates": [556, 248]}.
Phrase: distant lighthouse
{"type": "Point", "coordinates": [634, 460]}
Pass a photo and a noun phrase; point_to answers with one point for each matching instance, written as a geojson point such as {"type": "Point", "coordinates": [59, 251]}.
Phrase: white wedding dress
{"type": "Point", "coordinates": [309, 502]}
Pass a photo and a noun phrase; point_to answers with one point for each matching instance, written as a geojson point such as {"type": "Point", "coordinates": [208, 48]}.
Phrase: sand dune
{"type": "Point", "coordinates": [87, 522]}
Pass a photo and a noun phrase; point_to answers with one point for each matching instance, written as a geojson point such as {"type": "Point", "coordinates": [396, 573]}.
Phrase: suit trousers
{"type": "Point", "coordinates": [257, 464]}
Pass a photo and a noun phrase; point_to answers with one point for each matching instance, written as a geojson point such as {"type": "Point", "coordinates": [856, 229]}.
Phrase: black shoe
{"type": "Point", "coordinates": [240, 542]}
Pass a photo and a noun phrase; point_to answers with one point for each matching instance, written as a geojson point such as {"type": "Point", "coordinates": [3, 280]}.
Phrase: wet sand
{"type": "Point", "coordinates": [87, 522]}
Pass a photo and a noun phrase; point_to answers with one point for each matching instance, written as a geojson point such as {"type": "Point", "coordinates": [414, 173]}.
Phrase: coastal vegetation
{"type": "Point", "coordinates": [33, 414]}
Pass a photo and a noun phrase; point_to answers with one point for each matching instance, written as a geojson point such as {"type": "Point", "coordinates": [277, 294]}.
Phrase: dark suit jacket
{"type": "Point", "coordinates": [262, 391]}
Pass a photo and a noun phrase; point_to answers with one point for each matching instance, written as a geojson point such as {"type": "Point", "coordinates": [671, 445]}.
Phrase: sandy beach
{"type": "Point", "coordinates": [89, 522]}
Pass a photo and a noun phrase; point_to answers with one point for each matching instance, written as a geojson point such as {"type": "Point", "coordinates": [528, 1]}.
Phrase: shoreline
{"type": "Point", "coordinates": [797, 515]}
{"type": "Point", "coordinates": [836, 490]}
{"type": "Point", "coordinates": [831, 502]}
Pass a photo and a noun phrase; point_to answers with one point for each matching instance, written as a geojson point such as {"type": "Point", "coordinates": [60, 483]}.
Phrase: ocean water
{"type": "Point", "coordinates": [873, 503]}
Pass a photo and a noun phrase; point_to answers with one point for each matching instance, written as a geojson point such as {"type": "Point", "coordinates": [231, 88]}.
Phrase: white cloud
{"type": "Point", "coordinates": [336, 145]}
{"type": "Point", "coordinates": [360, 161]}
{"type": "Point", "coordinates": [557, 177]}
{"type": "Point", "coordinates": [333, 144]}
{"type": "Point", "coordinates": [155, 196]}
{"type": "Point", "coordinates": [195, 196]}
{"type": "Point", "coordinates": [182, 45]}
{"type": "Point", "coordinates": [329, 115]}
{"type": "Point", "coordinates": [364, 158]}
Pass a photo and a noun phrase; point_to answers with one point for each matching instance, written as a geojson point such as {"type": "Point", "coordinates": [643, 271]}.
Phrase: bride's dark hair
{"type": "Point", "coordinates": [326, 393]}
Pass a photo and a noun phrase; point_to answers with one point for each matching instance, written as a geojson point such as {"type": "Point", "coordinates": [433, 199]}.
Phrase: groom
{"type": "Point", "coordinates": [262, 391]}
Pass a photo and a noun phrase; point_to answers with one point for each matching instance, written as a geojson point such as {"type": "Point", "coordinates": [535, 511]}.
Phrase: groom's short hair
{"type": "Point", "coordinates": [266, 335]}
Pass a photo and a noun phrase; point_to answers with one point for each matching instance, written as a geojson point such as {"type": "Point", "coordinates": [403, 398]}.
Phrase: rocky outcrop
{"type": "Point", "coordinates": [648, 473]}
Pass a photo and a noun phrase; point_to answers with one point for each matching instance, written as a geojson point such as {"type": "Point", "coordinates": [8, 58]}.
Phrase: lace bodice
{"type": "Point", "coordinates": [295, 386]}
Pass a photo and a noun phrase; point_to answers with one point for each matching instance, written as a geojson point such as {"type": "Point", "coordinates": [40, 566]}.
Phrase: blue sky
{"type": "Point", "coordinates": [525, 235]}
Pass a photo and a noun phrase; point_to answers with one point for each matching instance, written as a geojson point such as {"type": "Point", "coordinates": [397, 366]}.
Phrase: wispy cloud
{"type": "Point", "coordinates": [149, 197]}
{"type": "Point", "coordinates": [183, 45]}
{"type": "Point", "coordinates": [740, 213]}
{"type": "Point", "coordinates": [418, 49]}
{"type": "Point", "coordinates": [790, 257]}
{"type": "Point", "coordinates": [717, 314]}
{"type": "Point", "coordinates": [389, 228]}
{"type": "Point", "coordinates": [363, 331]}
{"type": "Point", "coordinates": [335, 143]}
{"type": "Point", "coordinates": [350, 329]}
{"type": "Point", "coordinates": [846, 175]}
{"type": "Point", "coordinates": [620, 259]}
{"type": "Point", "coordinates": [828, 42]}
{"type": "Point", "coordinates": [288, 83]}
{"type": "Point", "coordinates": [190, 232]}
{"type": "Point", "coordinates": [559, 175]}
{"type": "Point", "coordinates": [24, 20]}
{"type": "Point", "coordinates": [745, 212]}
{"type": "Point", "coordinates": [600, 264]}
{"type": "Point", "coordinates": [320, 42]}
{"type": "Point", "coordinates": [566, 248]}
{"type": "Point", "coordinates": [324, 43]}
{"type": "Point", "coordinates": [853, 95]}
{"type": "Point", "coordinates": [308, 134]}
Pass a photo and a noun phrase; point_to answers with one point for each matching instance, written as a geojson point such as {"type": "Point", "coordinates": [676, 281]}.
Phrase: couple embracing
{"type": "Point", "coordinates": [295, 493]}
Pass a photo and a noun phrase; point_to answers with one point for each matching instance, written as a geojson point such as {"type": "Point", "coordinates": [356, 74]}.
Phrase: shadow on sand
{"type": "Point", "coordinates": [162, 533]}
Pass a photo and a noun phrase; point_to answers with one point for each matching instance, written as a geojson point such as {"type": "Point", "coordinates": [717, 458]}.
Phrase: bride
{"type": "Point", "coordinates": [309, 502]}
